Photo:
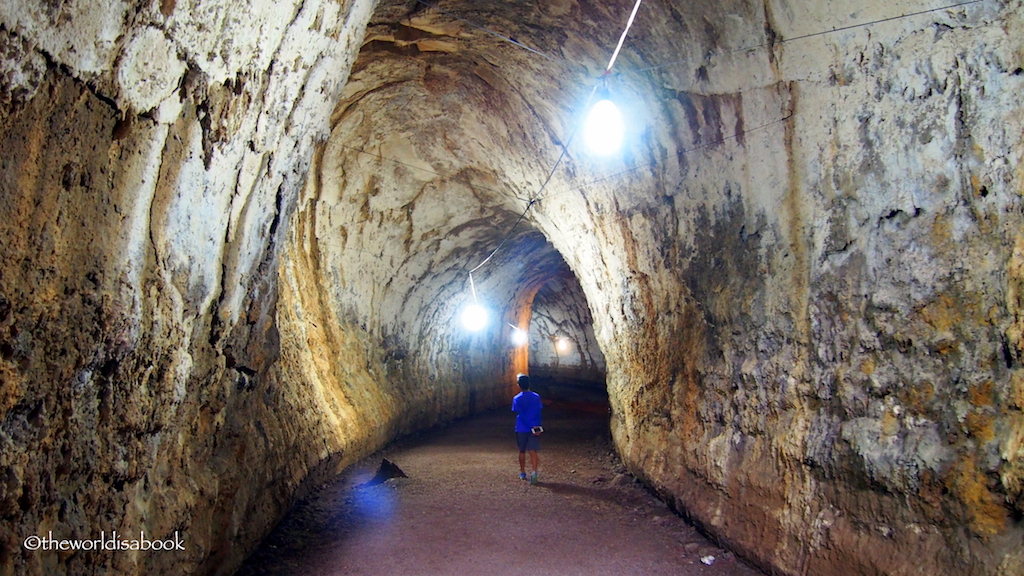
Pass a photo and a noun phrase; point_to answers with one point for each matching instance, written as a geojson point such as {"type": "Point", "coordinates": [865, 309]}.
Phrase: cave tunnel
{"type": "Point", "coordinates": [236, 240]}
{"type": "Point", "coordinates": [564, 361]}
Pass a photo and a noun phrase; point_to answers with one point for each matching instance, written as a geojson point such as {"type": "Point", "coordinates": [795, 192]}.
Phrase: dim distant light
{"type": "Point", "coordinates": [562, 344]}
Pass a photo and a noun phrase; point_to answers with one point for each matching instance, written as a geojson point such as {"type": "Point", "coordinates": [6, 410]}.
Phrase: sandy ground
{"type": "Point", "coordinates": [463, 511]}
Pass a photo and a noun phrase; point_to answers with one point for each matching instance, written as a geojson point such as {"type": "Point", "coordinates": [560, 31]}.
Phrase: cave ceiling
{"type": "Point", "coordinates": [460, 117]}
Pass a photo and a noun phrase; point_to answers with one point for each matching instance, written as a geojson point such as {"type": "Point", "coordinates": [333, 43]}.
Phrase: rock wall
{"type": "Point", "coordinates": [808, 300]}
{"type": "Point", "coordinates": [152, 155]}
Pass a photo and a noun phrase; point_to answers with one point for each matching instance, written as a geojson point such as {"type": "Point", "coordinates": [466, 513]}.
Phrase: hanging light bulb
{"type": "Point", "coordinates": [604, 128]}
{"type": "Point", "coordinates": [562, 344]}
{"type": "Point", "coordinates": [519, 337]}
{"type": "Point", "coordinates": [474, 317]}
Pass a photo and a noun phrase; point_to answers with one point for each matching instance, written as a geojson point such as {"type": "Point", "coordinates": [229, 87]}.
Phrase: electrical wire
{"type": "Point", "coordinates": [806, 36]}
{"type": "Point", "coordinates": [561, 156]}
{"type": "Point", "coordinates": [678, 153]}
{"type": "Point", "coordinates": [502, 243]}
{"type": "Point", "coordinates": [629, 23]}
{"type": "Point", "coordinates": [565, 147]}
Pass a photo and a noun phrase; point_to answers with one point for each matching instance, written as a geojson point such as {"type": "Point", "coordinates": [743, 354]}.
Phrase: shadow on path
{"type": "Point", "coordinates": [602, 494]}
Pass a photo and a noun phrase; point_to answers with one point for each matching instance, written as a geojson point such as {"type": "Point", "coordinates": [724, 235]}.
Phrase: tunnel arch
{"type": "Point", "coordinates": [700, 251]}
{"type": "Point", "coordinates": [438, 148]}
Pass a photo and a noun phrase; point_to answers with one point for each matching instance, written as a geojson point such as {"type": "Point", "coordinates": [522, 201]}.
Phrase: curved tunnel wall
{"type": "Point", "coordinates": [759, 258]}
{"type": "Point", "coordinates": [821, 309]}
{"type": "Point", "coordinates": [153, 153]}
{"type": "Point", "coordinates": [804, 271]}
{"type": "Point", "coordinates": [565, 360]}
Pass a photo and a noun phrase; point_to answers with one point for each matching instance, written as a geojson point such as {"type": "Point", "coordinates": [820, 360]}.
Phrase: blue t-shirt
{"type": "Point", "coordinates": [526, 405]}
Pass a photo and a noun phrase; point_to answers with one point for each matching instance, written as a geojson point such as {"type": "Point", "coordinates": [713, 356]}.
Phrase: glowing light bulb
{"type": "Point", "coordinates": [562, 345]}
{"type": "Point", "coordinates": [519, 337]}
{"type": "Point", "coordinates": [604, 129]}
{"type": "Point", "coordinates": [474, 317]}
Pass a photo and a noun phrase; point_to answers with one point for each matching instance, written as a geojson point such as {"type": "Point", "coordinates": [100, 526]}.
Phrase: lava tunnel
{"type": "Point", "coordinates": [237, 239]}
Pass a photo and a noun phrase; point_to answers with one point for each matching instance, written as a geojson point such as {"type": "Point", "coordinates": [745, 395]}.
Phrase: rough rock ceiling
{"type": "Point", "coordinates": [446, 132]}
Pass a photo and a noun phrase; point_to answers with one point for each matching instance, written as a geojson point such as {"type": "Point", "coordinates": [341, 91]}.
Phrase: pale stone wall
{"type": "Point", "coordinates": [151, 155]}
{"type": "Point", "coordinates": [810, 314]}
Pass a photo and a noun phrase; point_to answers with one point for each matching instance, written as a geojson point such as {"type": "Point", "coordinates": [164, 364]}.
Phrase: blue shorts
{"type": "Point", "coordinates": [527, 441]}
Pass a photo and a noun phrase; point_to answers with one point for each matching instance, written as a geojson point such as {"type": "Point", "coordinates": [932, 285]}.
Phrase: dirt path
{"type": "Point", "coordinates": [463, 511]}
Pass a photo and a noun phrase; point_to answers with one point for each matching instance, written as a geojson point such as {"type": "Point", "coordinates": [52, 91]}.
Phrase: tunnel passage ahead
{"type": "Point", "coordinates": [565, 361]}
{"type": "Point", "coordinates": [770, 265]}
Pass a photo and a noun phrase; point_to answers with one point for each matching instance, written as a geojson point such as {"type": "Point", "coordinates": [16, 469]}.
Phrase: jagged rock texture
{"type": "Point", "coordinates": [152, 155]}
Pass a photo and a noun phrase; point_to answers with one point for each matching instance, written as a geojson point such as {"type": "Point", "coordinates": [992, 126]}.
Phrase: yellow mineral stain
{"type": "Point", "coordinates": [916, 397]}
{"type": "Point", "coordinates": [985, 514]}
{"type": "Point", "coordinates": [941, 232]}
{"type": "Point", "coordinates": [10, 388]}
{"type": "Point", "coordinates": [979, 155]}
{"type": "Point", "coordinates": [868, 366]}
{"type": "Point", "coordinates": [982, 394]}
{"type": "Point", "coordinates": [943, 313]}
{"type": "Point", "coordinates": [981, 426]}
{"type": "Point", "coordinates": [890, 424]}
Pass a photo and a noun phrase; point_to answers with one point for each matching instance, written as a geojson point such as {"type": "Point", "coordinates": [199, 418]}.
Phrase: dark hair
{"type": "Point", "coordinates": [524, 381]}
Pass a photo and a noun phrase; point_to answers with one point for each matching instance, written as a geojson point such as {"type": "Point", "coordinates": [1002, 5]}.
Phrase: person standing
{"type": "Point", "coordinates": [527, 407]}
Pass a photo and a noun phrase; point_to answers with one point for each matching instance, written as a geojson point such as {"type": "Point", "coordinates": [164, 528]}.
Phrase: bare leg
{"type": "Point", "coordinates": [534, 459]}
{"type": "Point", "coordinates": [522, 462]}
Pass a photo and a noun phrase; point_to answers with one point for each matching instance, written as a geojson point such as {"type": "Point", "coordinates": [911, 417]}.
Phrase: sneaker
{"type": "Point", "coordinates": [533, 478]}
{"type": "Point", "coordinates": [522, 475]}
